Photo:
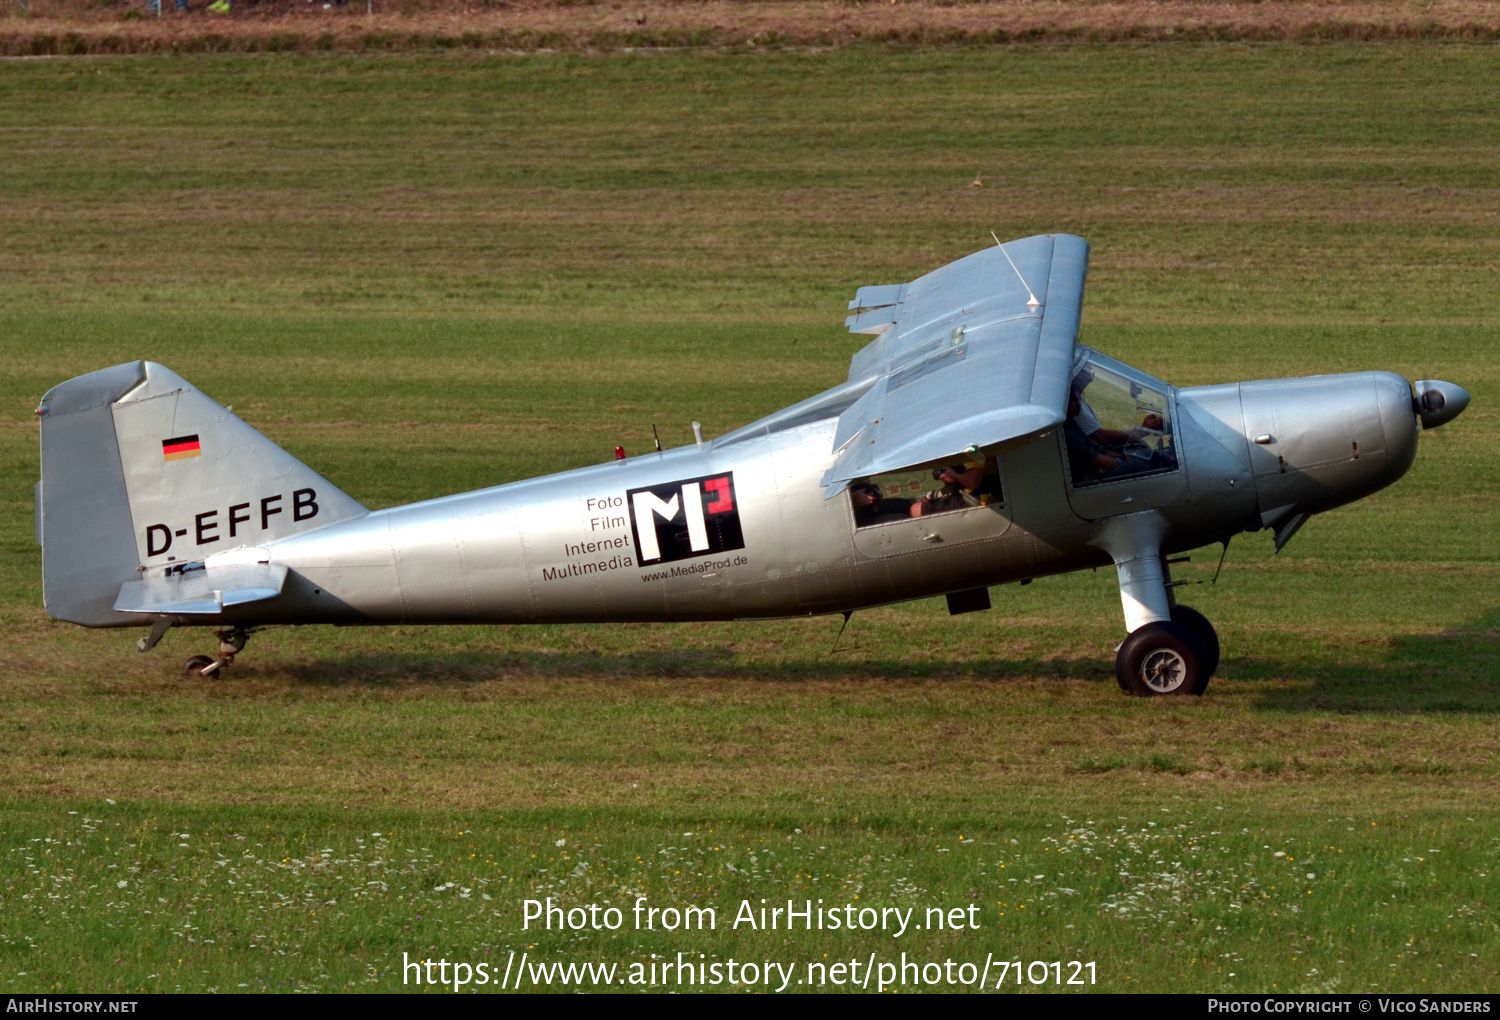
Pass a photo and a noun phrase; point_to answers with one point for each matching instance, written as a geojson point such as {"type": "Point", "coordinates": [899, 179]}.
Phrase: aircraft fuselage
{"type": "Point", "coordinates": [714, 531]}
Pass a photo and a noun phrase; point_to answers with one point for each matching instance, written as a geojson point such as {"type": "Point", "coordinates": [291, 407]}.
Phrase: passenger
{"type": "Point", "coordinates": [964, 485]}
{"type": "Point", "coordinates": [870, 507]}
{"type": "Point", "coordinates": [978, 478]}
{"type": "Point", "coordinates": [940, 501]}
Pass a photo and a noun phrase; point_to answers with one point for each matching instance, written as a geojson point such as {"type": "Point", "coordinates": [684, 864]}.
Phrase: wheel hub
{"type": "Point", "coordinates": [1163, 670]}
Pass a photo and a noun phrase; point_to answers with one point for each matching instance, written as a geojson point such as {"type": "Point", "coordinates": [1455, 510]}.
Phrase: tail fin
{"type": "Point", "coordinates": [140, 470]}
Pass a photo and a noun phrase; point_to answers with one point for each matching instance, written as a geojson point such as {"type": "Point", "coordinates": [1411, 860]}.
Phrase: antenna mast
{"type": "Point", "coordinates": [1033, 303]}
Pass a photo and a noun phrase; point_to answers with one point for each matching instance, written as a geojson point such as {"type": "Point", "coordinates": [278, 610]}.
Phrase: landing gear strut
{"type": "Point", "coordinates": [231, 641]}
{"type": "Point", "coordinates": [1171, 649]}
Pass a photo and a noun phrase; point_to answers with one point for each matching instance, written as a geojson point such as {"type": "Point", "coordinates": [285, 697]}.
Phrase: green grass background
{"type": "Point", "coordinates": [423, 273]}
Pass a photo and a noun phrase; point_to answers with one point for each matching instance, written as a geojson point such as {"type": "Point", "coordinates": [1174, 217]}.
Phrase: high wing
{"type": "Point", "coordinates": [975, 354]}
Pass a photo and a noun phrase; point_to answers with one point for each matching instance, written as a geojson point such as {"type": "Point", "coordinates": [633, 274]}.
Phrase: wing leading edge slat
{"type": "Point", "coordinates": [966, 360]}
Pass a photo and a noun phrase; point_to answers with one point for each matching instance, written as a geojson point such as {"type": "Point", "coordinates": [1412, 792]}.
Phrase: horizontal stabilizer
{"type": "Point", "coordinates": [197, 590]}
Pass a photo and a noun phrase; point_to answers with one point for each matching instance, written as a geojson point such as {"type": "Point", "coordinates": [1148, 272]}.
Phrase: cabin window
{"type": "Point", "coordinates": [1117, 427]}
{"type": "Point", "coordinates": [963, 484]}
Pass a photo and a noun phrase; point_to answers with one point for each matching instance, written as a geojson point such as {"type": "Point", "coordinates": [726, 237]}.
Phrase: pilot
{"type": "Point", "coordinates": [964, 485]}
{"type": "Point", "coordinates": [1094, 461]}
{"type": "Point", "coordinates": [870, 507]}
{"type": "Point", "coordinates": [1090, 459]}
{"type": "Point", "coordinates": [1116, 438]}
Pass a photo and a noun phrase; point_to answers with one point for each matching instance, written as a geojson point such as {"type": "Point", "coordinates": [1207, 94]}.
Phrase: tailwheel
{"type": "Point", "coordinates": [1198, 624]}
{"type": "Point", "coordinates": [194, 667]}
{"type": "Point", "coordinates": [1162, 659]}
{"type": "Point", "coordinates": [231, 641]}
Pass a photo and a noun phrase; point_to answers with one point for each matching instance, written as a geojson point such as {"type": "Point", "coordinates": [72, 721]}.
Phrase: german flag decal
{"type": "Point", "coordinates": [181, 448]}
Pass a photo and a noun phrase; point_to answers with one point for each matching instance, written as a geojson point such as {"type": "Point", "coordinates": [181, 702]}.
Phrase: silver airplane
{"type": "Point", "coordinates": [975, 443]}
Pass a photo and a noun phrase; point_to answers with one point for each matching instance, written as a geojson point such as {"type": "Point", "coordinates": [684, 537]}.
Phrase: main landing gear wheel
{"type": "Point", "coordinates": [193, 668]}
{"type": "Point", "coordinates": [1162, 659]}
{"type": "Point", "coordinates": [1198, 624]}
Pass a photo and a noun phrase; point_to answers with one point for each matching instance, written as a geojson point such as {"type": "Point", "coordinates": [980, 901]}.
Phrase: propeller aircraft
{"type": "Point", "coordinates": [975, 442]}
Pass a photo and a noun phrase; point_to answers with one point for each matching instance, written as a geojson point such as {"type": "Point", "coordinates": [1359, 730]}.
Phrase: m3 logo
{"type": "Point", "coordinates": [679, 520]}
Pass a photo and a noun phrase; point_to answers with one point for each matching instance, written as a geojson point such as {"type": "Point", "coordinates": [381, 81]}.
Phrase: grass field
{"type": "Point", "coordinates": [430, 272]}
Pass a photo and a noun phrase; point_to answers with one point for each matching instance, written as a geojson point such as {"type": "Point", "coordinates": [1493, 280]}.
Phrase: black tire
{"type": "Point", "coordinates": [193, 668]}
{"type": "Point", "coordinates": [1198, 624]}
{"type": "Point", "coordinates": [1162, 659]}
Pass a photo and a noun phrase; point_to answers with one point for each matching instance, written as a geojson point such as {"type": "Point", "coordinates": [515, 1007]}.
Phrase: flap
{"type": "Point", "coordinates": [979, 357]}
{"type": "Point", "coordinates": [195, 589]}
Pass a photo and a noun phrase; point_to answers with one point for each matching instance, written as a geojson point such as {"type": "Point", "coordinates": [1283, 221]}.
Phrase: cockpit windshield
{"type": "Point", "coordinates": [1118, 425]}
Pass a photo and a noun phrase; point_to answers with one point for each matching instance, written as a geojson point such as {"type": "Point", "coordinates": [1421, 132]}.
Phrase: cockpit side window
{"type": "Point", "coordinates": [924, 491]}
{"type": "Point", "coordinates": [1117, 427]}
